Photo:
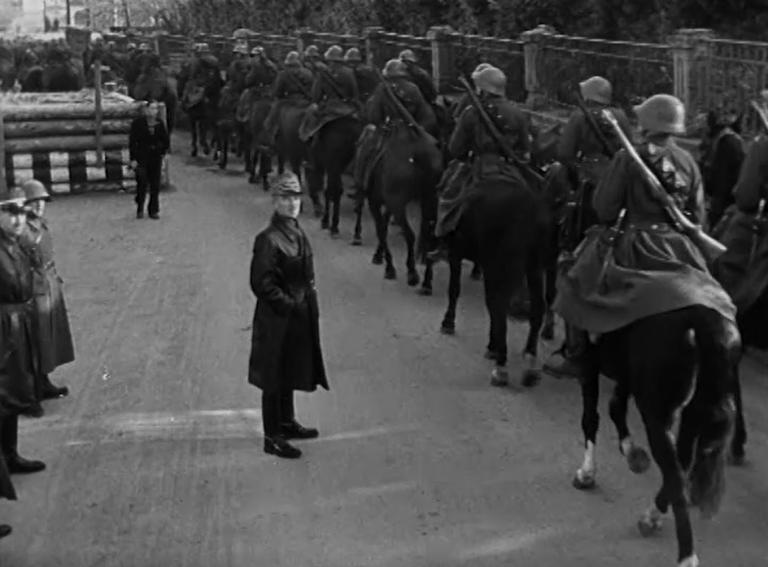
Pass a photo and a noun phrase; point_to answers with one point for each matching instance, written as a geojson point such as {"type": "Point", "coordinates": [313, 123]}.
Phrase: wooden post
{"type": "Point", "coordinates": [97, 102]}
{"type": "Point", "coordinates": [3, 185]}
{"type": "Point", "coordinates": [690, 56]}
{"type": "Point", "coordinates": [533, 44]}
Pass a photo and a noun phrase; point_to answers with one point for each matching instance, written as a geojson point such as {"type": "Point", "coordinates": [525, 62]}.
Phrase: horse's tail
{"type": "Point", "coordinates": [718, 347]}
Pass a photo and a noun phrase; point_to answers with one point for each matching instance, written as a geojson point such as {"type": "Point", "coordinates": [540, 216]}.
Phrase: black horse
{"type": "Point", "coordinates": [200, 101]}
{"type": "Point", "coordinates": [255, 109]}
{"type": "Point", "coordinates": [506, 230]}
{"type": "Point", "coordinates": [682, 362]}
{"type": "Point", "coordinates": [722, 152]}
{"type": "Point", "coordinates": [331, 151]}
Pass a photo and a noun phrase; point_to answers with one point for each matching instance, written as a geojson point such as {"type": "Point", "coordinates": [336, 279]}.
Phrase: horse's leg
{"type": "Point", "coordinates": [334, 190]}
{"type": "Point", "coordinates": [410, 241]}
{"type": "Point", "coordinates": [672, 493]}
{"type": "Point", "coordinates": [535, 281]}
{"type": "Point", "coordinates": [737, 455]}
{"type": "Point", "coordinates": [426, 284]}
{"type": "Point", "coordinates": [389, 268]}
{"type": "Point", "coordinates": [194, 123]}
{"type": "Point", "coordinates": [496, 301]}
{"type": "Point", "coordinates": [223, 150]}
{"type": "Point", "coordinates": [378, 221]}
{"type": "Point", "coordinates": [590, 420]}
{"type": "Point", "coordinates": [550, 291]}
{"type": "Point", "coordinates": [265, 167]}
{"type": "Point", "coordinates": [637, 458]}
{"type": "Point", "coordinates": [448, 326]}
{"type": "Point", "coordinates": [205, 124]}
{"type": "Point", "coordinates": [357, 239]}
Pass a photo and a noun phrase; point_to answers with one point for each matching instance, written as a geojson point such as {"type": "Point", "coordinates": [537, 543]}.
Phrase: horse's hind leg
{"type": "Point", "coordinates": [357, 239]}
{"type": "Point", "coordinates": [737, 454]}
{"type": "Point", "coordinates": [590, 420]}
{"type": "Point", "coordinates": [496, 301]}
{"type": "Point", "coordinates": [637, 458]}
{"type": "Point", "coordinates": [535, 281]}
{"type": "Point", "coordinates": [223, 150]}
{"type": "Point", "coordinates": [195, 125]}
{"type": "Point", "coordinates": [550, 291]}
{"type": "Point", "coordinates": [265, 167]}
{"type": "Point", "coordinates": [334, 191]}
{"type": "Point", "coordinates": [410, 241]}
{"type": "Point", "coordinates": [448, 326]}
{"type": "Point", "coordinates": [389, 268]}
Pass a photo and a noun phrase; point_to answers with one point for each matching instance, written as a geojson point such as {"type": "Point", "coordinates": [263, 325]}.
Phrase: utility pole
{"type": "Point", "coordinates": [69, 14]}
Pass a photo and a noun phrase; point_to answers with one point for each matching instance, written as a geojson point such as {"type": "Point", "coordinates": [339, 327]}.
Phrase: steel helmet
{"type": "Point", "coordinates": [334, 53]}
{"type": "Point", "coordinates": [144, 46]}
{"type": "Point", "coordinates": [292, 59]}
{"type": "Point", "coordinates": [407, 55]}
{"type": "Point", "coordinates": [353, 55]}
{"type": "Point", "coordinates": [240, 48]}
{"type": "Point", "coordinates": [479, 69]}
{"type": "Point", "coordinates": [34, 190]}
{"type": "Point", "coordinates": [202, 47]}
{"type": "Point", "coordinates": [131, 45]}
{"type": "Point", "coordinates": [311, 51]}
{"type": "Point", "coordinates": [259, 50]}
{"type": "Point", "coordinates": [394, 68]}
{"type": "Point", "coordinates": [662, 114]}
{"type": "Point", "coordinates": [596, 89]}
{"type": "Point", "coordinates": [492, 80]}
{"type": "Point", "coordinates": [96, 37]}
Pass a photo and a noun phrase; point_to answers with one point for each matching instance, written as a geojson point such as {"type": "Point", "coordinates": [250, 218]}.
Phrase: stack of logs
{"type": "Point", "coordinates": [64, 141]}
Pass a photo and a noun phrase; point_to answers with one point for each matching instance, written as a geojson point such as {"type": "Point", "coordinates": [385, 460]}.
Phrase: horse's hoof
{"type": "Point", "coordinates": [324, 223]}
{"type": "Point", "coordinates": [222, 166]}
{"type": "Point", "coordinates": [334, 233]}
{"type": "Point", "coordinates": [499, 377]}
{"type": "Point", "coordinates": [548, 333]}
{"type": "Point", "coordinates": [251, 179]}
{"type": "Point", "coordinates": [737, 458]}
{"type": "Point", "coordinates": [491, 354]}
{"type": "Point", "coordinates": [531, 378]}
{"type": "Point", "coordinates": [193, 153]}
{"type": "Point", "coordinates": [357, 241]}
{"type": "Point", "coordinates": [206, 150]}
{"type": "Point", "coordinates": [584, 480]}
{"type": "Point", "coordinates": [638, 460]}
{"type": "Point", "coordinates": [413, 279]}
{"type": "Point", "coordinates": [378, 259]}
{"type": "Point", "coordinates": [692, 561]}
{"type": "Point", "coordinates": [425, 291]}
{"type": "Point", "coordinates": [649, 526]}
{"type": "Point", "coordinates": [390, 273]}
{"type": "Point", "coordinates": [448, 328]}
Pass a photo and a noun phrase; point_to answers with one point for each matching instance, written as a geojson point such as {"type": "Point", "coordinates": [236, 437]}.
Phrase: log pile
{"type": "Point", "coordinates": [61, 140]}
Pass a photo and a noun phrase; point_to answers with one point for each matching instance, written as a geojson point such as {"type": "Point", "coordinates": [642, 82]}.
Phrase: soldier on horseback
{"type": "Point", "coordinates": [586, 149]}
{"type": "Point", "coordinates": [262, 72]}
{"type": "Point", "coordinates": [643, 264]}
{"type": "Point", "coordinates": [334, 94]}
{"type": "Point", "coordinates": [365, 76]}
{"type": "Point", "coordinates": [313, 60]}
{"type": "Point", "coordinates": [383, 115]}
{"type": "Point", "coordinates": [722, 155]}
{"type": "Point", "coordinates": [471, 140]}
{"type": "Point", "coordinates": [420, 77]}
{"type": "Point", "coordinates": [292, 86]}
{"type": "Point", "coordinates": [238, 68]}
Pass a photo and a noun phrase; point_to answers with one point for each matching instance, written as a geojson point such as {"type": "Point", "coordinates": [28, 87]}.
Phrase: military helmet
{"type": "Point", "coordinates": [131, 45]}
{"type": "Point", "coordinates": [479, 69]}
{"type": "Point", "coordinates": [292, 59]}
{"type": "Point", "coordinates": [407, 55]}
{"type": "Point", "coordinates": [34, 190]}
{"type": "Point", "coordinates": [144, 46]}
{"type": "Point", "coordinates": [492, 80]}
{"type": "Point", "coordinates": [394, 68]}
{"type": "Point", "coordinates": [96, 37]}
{"type": "Point", "coordinates": [202, 47]}
{"type": "Point", "coordinates": [353, 55]}
{"type": "Point", "coordinates": [334, 53]}
{"type": "Point", "coordinates": [596, 89]}
{"type": "Point", "coordinates": [13, 200]}
{"type": "Point", "coordinates": [258, 50]}
{"type": "Point", "coordinates": [663, 114]}
{"type": "Point", "coordinates": [311, 51]}
{"type": "Point", "coordinates": [240, 48]}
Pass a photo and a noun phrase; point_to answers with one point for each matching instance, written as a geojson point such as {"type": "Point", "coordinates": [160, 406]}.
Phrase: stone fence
{"type": "Point", "coordinates": [542, 66]}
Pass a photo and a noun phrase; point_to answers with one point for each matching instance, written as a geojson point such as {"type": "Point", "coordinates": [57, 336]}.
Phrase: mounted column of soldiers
{"type": "Point", "coordinates": [35, 336]}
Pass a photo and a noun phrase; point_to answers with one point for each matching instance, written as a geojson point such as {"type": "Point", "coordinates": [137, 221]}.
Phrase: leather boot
{"type": "Point", "coordinates": [19, 465]}
{"type": "Point", "coordinates": [294, 430]}
{"type": "Point", "coordinates": [277, 445]}
{"type": "Point", "coordinates": [568, 362]}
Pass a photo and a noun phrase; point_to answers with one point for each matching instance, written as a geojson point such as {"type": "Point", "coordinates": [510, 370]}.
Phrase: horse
{"type": "Point", "coordinates": [331, 150]}
{"type": "Point", "coordinates": [31, 79]}
{"type": "Point", "coordinates": [253, 110]}
{"type": "Point", "coordinates": [61, 76]}
{"type": "Point", "coordinates": [200, 100]}
{"type": "Point", "coordinates": [505, 229]}
{"type": "Point", "coordinates": [682, 362]}
{"type": "Point", "coordinates": [289, 147]}
{"type": "Point", "coordinates": [226, 123]}
{"type": "Point", "coordinates": [154, 81]}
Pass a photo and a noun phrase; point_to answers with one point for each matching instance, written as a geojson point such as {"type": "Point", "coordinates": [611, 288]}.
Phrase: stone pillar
{"type": "Point", "coordinates": [533, 42]}
{"type": "Point", "coordinates": [690, 58]}
{"type": "Point", "coordinates": [442, 40]}
{"type": "Point", "coordinates": [371, 42]}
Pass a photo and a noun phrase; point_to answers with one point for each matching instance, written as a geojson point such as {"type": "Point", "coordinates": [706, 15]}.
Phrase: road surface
{"type": "Point", "coordinates": [156, 459]}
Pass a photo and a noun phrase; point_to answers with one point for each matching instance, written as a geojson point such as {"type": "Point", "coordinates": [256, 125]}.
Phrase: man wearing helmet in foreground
{"type": "Point", "coordinates": [471, 137]}
{"type": "Point", "coordinates": [651, 267]}
{"type": "Point", "coordinates": [586, 160]}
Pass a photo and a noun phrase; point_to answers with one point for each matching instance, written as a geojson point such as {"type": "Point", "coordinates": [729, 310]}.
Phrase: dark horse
{"type": "Point", "coordinates": [226, 123]}
{"type": "Point", "coordinates": [331, 151]}
{"type": "Point", "coordinates": [252, 112]}
{"type": "Point", "coordinates": [722, 152]}
{"type": "Point", "coordinates": [289, 147]}
{"type": "Point", "coordinates": [681, 362]}
{"type": "Point", "coordinates": [155, 81]}
{"type": "Point", "coordinates": [505, 229]}
{"type": "Point", "coordinates": [408, 170]}
{"type": "Point", "coordinates": [200, 100]}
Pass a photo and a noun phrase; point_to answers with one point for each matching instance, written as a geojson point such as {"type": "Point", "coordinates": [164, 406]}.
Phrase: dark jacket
{"type": "Point", "coordinates": [422, 79]}
{"type": "Point", "coordinates": [366, 80]}
{"type": "Point", "coordinates": [54, 335]}
{"type": "Point", "coordinates": [145, 146]}
{"type": "Point", "coordinates": [337, 82]}
{"type": "Point", "coordinates": [381, 108]}
{"type": "Point", "coordinates": [293, 82]}
{"type": "Point", "coordinates": [17, 331]}
{"type": "Point", "coordinates": [285, 344]}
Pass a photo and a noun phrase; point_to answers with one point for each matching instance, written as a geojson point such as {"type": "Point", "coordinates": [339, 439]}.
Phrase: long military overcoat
{"type": "Point", "coordinates": [54, 336]}
{"type": "Point", "coordinates": [285, 345]}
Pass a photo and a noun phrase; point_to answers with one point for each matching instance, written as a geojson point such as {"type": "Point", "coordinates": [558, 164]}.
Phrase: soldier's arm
{"type": "Point", "coordinates": [265, 277]}
{"type": "Point", "coordinates": [566, 149]}
{"type": "Point", "coordinates": [424, 115]}
{"type": "Point", "coordinates": [522, 125]}
{"type": "Point", "coordinates": [461, 138]}
{"type": "Point", "coordinates": [752, 176]}
{"type": "Point", "coordinates": [610, 195]}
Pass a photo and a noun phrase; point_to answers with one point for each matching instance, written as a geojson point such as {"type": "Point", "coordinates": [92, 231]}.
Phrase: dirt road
{"type": "Point", "coordinates": [155, 460]}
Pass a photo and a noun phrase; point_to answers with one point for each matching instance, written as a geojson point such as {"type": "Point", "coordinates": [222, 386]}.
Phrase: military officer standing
{"type": "Point", "coordinates": [285, 349]}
